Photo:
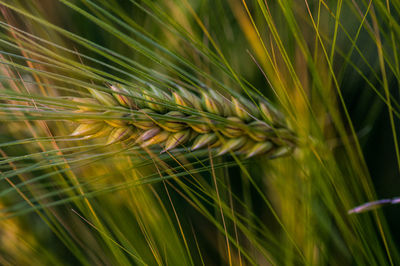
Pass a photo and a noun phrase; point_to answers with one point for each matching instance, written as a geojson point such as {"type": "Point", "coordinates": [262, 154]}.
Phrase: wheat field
{"type": "Point", "coordinates": [199, 132]}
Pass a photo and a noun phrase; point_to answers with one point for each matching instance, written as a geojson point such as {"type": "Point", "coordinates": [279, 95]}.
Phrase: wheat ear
{"type": "Point", "coordinates": [154, 117]}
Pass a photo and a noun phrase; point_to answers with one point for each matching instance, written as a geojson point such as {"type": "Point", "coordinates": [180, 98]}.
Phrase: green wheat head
{"type": "Point", "coordinates": [155, 118]}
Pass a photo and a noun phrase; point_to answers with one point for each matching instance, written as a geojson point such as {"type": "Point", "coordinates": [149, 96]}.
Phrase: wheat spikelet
{"type": "Point", "coordinates": [150, 118]}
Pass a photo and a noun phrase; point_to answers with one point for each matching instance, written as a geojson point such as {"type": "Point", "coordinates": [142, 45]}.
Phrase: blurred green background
{"type": "Point", "coordinates": [151, 38]}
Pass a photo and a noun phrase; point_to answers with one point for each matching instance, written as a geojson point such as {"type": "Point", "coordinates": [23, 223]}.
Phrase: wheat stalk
{"type": "Point", "coordinates": [150, 118]}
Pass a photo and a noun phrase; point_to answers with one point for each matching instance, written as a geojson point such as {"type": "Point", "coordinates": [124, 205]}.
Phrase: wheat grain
{"type": "Point", "coordinates": [150, 118]}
